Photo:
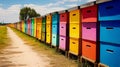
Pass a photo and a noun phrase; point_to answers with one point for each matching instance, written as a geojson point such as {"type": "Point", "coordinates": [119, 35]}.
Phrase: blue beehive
{"type": "Point", "coordinates": [55, 18]}
{"type": "Point", "coordinates": [110, 54]}
{"type": "Point", "coordinates": [109, 10]}
{"type": "Point", "coordinates": [110, 31]}
{"type": "Point", "coordinates": [55, 40]}
{"type": "Point", "coordinates": [55, 23]}
{"type": "Point", "coordinates": [54, 29]}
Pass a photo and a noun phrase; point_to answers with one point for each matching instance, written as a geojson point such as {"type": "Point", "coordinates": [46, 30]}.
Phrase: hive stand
{"type": "Point", "coordinates": [64, 52]}
{"type": "Point", "coordinates": [85, 62]}
{"type": "Point", "coordinates": [102, 65]}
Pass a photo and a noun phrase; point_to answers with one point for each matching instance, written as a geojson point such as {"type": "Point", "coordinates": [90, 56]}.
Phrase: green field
{"type": "Point", "coordinates": [4, 40]}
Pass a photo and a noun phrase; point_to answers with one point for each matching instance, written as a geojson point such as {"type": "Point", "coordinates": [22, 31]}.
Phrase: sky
{"type": "Point", "coordinates": [9, 9]}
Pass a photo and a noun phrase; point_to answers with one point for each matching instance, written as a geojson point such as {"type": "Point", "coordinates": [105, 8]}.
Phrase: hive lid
{"type": "Point", "coordinates": [43, 16]}
{"type": "Point", "coordinates": [37, 17]}
{"type": "Point", "coordinates": [102, 1]}
{"type": "Point", "coordinates": [32, 18]}
{"type": "Point", "coordinates": [63, 11]}
{"type": "Point", "coordinates": [87, 4]}
{"type": "Point", "coordinates": [74, 8]}
{"type": "Point", "coordinates": [54, 12]}
{"type": "Point", "coordinates": [48, 14]}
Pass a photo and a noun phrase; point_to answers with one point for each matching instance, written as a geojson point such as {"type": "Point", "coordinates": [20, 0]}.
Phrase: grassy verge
{"type": "Point", "coordinates": [4, 39]}
{"type": "Point", "coordinates": [57, 59]}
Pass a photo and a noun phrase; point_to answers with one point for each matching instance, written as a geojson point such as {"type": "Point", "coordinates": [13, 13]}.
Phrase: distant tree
{"type": "Point", "coordinates": [0, 22]}
{"type": "Point", "coordinates": [27, 12]}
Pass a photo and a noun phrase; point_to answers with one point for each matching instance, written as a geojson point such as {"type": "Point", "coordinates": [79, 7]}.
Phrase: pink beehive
{"type": "Point", "coordinates": [62, 43]}
{"type": "Point", "coordinates": [62, 29]}
{"type": "Point", "coordinates": [89, 31]}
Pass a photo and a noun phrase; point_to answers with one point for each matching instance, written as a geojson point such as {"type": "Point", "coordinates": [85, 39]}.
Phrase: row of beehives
{"type": "Point", "coordinates": [90, 31]}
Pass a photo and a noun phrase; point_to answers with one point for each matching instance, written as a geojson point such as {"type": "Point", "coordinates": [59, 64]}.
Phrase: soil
{"type": "Point", "coordinates": [18, 54]}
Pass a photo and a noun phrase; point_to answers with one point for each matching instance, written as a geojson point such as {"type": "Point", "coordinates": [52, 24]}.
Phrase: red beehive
{"type": "Point", "coordinates": [64, 17]}
{"type": "Point", "coordinates": [89, 12]}
{"type": "Point", "coordinates": [28, 22]}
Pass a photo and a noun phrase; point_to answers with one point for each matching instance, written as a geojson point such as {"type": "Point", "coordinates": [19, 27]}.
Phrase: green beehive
{"type": "Point", "coordinates": [32, 26]}
{"type": "Point", "coordinates": [44, 24]}
{"type": "Point", "coordinates": [25, 23]}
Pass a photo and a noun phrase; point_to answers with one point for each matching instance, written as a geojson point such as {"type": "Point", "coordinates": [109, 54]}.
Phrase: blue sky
{"type": "Point", "coordinates": [7, 3]}
{"type": "Point", "coordinates": [9, 9]}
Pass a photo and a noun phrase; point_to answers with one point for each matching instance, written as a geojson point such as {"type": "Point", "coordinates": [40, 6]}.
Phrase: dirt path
{"type": "Point", "coordinates": [20, 55]}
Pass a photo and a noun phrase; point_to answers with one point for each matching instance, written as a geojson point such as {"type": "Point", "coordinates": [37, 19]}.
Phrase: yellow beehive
{"type": "Point", "coordinates": [35, 27]}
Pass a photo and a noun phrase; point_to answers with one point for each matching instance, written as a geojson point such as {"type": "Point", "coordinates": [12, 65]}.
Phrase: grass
{"type": "Point", "coordinates": [57, 59]}
{"type": "Point", "coordinates": [4, 39]}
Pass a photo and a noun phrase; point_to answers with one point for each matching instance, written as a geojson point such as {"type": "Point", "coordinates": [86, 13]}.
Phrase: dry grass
{"type": "Point", "coordinates": [57, 59]}
{"type": "Point", "coordinates": [4, 39]}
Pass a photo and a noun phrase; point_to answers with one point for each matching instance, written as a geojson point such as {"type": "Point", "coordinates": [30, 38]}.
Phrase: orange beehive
{"type": "Point", "coordinates": [89, 49]}
{"type": "Point", "coordinates": [39, 27]}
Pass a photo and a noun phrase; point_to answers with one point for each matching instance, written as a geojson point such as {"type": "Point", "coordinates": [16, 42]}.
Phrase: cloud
{"type": "Point", "coordinates": [15, 7]}
{"type": "Point", "coordinates": [51, 7]}
{"type": "Point", "coordinates": [91, 0]}
{"type": "Point", "coordinates": [44, 9]}
{"type": "Point", "coordinates": [56, 4]}
{"type": "Point", "coordinates": [71, 5]}
{"type": "Point", "coordinates": [10, 14]}
{"type": "Point", "coordinates": [70, 0]}
{"type": "Point", "coordinates": [61, 2]}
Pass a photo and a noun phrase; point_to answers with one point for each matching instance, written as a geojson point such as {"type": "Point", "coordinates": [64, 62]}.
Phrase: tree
{"type": "Point", "coordinates": [27, 12]}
